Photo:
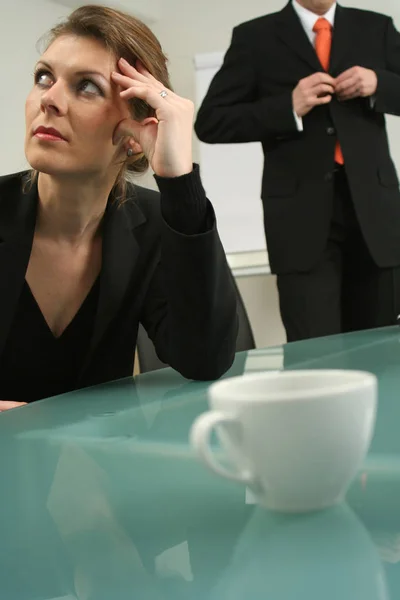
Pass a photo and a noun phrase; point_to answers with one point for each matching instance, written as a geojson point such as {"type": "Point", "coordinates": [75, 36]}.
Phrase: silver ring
{"type": "Point", "coordinates": [163, 94]}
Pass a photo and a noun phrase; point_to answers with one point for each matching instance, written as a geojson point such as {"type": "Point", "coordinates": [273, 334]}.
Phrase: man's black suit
{"type": "Point", "coordinates": [316, 216]}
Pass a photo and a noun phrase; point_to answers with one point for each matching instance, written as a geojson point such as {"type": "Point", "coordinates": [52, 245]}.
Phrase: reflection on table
{"type": "Point", "coordinates": [104, 499]}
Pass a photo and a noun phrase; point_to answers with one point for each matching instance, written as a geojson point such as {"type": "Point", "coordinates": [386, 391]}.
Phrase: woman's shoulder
{"type": "Point", "coordinates": [140, 194]}
{"type": "Point", "coordinates": [12, 181]}
{"type": "Point", "coordinates": [12, 189]}
{"type": "Point", "coordinates": [147, 200]}
{"type": "Point", "coordinates": [140, 205]}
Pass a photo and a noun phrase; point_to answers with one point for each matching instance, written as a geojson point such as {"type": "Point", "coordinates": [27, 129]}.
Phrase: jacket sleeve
{"type": "Point", "coordinates": [190, 309]}
{"type": "Point", "coordinates": [232, 110]}
{"type": "Point", "coordinates": [388, 90]}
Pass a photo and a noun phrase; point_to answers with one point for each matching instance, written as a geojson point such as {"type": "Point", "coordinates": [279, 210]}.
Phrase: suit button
{"type": "Point", "coordinates": [328, 177]}
{"type": "Point", "coordinates": [331, 131]}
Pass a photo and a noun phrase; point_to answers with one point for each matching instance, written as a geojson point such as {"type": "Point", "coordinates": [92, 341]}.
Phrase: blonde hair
{"type": "Point", "coordinates": [126, 37]}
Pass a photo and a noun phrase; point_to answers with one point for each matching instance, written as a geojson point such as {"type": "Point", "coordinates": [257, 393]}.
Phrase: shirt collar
{"type": "Point", "coordinates": [308, 18]}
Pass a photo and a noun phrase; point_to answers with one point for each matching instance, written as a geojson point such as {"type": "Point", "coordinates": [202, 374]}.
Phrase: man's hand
{"type": "Point", "coordinates": [356, 82]}
{"type": "Point", "coordinates": [7, 405]}
{"type": "Point", "coordinates": [312, 91]}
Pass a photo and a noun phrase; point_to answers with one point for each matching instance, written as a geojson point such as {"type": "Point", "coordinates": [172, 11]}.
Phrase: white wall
{"type": "Point", "coordinates": [189, 27]}
{"type": "Point", "coordinates": [148, 11]}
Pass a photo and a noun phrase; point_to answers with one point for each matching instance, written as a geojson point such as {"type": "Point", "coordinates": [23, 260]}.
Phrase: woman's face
{"type": "Point", "coordinates": [73, 111]}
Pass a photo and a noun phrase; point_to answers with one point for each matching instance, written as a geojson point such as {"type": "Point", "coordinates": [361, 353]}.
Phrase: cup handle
{"type": "Point", "coordinates": [200, 434]}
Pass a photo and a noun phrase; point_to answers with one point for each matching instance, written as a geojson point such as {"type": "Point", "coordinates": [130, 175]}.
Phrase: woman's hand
{"type": "Point", "coordinates": [7, 405]}
{"type": "Point", "coordinates": [166, 140]}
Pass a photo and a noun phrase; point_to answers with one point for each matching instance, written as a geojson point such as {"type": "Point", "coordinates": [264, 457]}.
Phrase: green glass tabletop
{"type": "Point", "coordinates": [103, 499]}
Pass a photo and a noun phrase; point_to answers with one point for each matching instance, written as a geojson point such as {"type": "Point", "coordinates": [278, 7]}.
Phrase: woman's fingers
{"type": "Point", "coordinates": [146, 93]}
{"type": "Point", "coordinates": [7, 405]}
{"type": "Point", "coordinates": [140, 74]}
{"type": "Point", "coordinates": [128, 82]}
{"type": "Point", "coordinates": [143, 71]}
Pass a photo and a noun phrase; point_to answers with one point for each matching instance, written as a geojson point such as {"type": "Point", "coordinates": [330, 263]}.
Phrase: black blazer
{"type": "Point", "coordinates": [250, 99]}
{"type": "Point", "coordinates": [179, 286]}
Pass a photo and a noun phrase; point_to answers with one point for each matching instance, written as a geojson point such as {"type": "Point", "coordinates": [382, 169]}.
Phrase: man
{"type": "Point", "coordinates": [312, 84]}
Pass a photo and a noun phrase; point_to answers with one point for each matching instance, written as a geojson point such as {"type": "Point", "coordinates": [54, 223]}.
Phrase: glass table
{"type": "Point", "coordinates": [103, 499]}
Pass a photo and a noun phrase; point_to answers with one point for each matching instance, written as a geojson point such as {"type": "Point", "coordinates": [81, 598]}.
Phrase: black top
{"type": "Point", "coordinates": [163, 265]}
{"type": "Point", "coordinates": [35, 364]}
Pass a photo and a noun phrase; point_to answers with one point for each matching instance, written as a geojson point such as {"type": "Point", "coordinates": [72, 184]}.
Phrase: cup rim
{"type": "Point", "coordinates": [356, 380]}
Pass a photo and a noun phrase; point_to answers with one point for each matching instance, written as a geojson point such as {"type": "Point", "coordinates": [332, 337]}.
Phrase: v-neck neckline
{"type": "Point", "coordinates": [60, 337]}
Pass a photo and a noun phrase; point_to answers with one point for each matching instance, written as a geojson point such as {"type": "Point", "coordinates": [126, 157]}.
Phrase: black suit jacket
{"type": "Point", "coordinates": [179, 286]}
{"type": "Point", "coordinates": [250, 99]}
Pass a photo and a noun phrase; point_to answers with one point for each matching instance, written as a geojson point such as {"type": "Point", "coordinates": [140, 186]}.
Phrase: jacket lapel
{"type": "Point", "coordinates": [120, 253]}
{"type": "Point", "coordinates": [17, 226]}
{"type": "Point", "coordinates": [343, 39]}
{"type": "Point", "coordinates": [292, 33]}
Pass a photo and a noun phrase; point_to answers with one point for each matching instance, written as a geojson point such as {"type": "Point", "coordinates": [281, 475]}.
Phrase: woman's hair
{"type": "Point", "coordinates": [126, 37]}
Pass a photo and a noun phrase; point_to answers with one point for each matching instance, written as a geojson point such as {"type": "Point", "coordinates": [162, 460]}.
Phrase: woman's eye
{"type": "Point", "coordinates": [89, 87]}
{"type": "Point", "coordinates": [43, 78]}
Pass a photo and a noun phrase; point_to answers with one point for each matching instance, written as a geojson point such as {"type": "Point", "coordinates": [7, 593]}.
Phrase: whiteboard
{"type": "Point", "coordinates": [231, 175]}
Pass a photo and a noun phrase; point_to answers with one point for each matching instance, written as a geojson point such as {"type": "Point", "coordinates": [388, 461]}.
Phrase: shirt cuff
{"type": "Point", "coordinates": [184, 204]}
{"type": "Point", "coordinates": [299, 121]}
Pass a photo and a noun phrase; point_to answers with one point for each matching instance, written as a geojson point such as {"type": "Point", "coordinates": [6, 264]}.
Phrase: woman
{"type": "Point", "coordinates": [86, 256]}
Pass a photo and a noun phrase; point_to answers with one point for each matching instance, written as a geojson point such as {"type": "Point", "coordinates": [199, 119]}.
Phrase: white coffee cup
{"type": "Point", "coordinates": [296, 438]}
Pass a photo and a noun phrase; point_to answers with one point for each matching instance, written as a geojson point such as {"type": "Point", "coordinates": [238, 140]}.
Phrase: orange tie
{"type": "Point", "coordinates": [323, 44]}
